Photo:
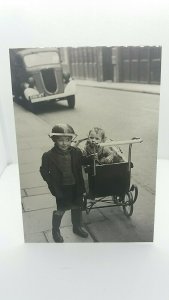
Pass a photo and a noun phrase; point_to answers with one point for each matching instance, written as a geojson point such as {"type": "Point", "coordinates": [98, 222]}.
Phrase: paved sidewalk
{"type": "Point", "coordinates": [37, 202]}
{"type": "Point", "coordinates": [130, 87]}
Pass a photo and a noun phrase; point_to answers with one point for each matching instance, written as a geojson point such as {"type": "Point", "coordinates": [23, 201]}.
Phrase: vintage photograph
{"type": "Point", "coordinates": [87, 131]}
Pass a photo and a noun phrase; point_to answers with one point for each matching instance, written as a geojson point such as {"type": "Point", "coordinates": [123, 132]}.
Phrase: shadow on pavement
{"type": "Point", "coordinates": [41, 108]}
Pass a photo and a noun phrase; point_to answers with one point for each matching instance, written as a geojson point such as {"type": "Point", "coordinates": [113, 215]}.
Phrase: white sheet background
{"type": "Point", "coordinates": [79, 23]}
{"type": "Point", "coordinates": [100, 271]}
{"type": "Point", "coordinates": [3, 148]}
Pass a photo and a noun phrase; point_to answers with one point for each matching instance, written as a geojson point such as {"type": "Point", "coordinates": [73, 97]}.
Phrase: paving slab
{"type": "Point", "coordinates": [29, 167]}
{"type": "Point", "coordinates": [37, 128]}
{"type": "Point", "coordinates": [31, 203]}
{"type": "Point", "coordinates": [31, 180]}
{"type": "Point", "coordinates": [35, 238]}
{"type": "Point", "coordinates": [113, 213]}
{"type": "Point", "coordinates": [22, 145]}
{"type": "Point", "coordinates": [41, 220]}
{"type": "Point", "coordinates": [143, 219]}
{"type": "Point", "coordinates": [68, 236]}
{"type": "Point", "coordinates": [143, 229]}
{"type": "Point", "coordinates": [34, 142]}
{"type": "Point", "coordinates": [46, 148]}
{"type": "Point", "coordinates": [123, 229]}
{"type": "Point", "coordinates": [37, 191]}
{"type": "Point", "coordinates": [30, 155]}
{"type": "Point", "coordinates": [108, 231]}
{"type": "Point", "coordinates": [94, 216]}
{"type": "Point", "coordinates": [23, 194]}
{"type": "Point", "coordinates": [44, 142]}
{"type": "Point", "coordinates": [37, 221]}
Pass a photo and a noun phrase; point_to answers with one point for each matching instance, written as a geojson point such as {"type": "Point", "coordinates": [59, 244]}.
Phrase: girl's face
{"type": "Point", "coordinates": [64, 142]}
{"type": "Point", "coordinates": [94, 138]}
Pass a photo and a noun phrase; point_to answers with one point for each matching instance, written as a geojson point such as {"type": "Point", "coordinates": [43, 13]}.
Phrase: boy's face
{"type": "Point", "coordinates": [94, 138]}
{"type": "Point", "coordinates": [63, 142]}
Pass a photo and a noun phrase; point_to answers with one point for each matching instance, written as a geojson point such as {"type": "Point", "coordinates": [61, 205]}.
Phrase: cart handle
{"type": "Point", "coordinates": [127, 142]}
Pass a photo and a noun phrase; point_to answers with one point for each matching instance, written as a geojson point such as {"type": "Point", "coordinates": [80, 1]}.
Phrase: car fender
{"type": "Point", "coordinates": [70, 88]}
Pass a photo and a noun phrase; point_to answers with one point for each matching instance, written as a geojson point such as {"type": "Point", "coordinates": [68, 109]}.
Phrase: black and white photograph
{"type": "Point", "coordinates": [86, 122]}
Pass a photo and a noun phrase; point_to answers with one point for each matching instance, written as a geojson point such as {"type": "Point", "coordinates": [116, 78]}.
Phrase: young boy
{"type": "Point", "coordinates": [105, 155]}
{"type": "Point", "coordinates": [62, 170]}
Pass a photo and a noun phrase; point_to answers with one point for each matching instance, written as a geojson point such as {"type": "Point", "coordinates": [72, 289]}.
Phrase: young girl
{"type": "Point", "coordinates": [62, 170]}
{"type": "Point", "coordinates": [104, 155]}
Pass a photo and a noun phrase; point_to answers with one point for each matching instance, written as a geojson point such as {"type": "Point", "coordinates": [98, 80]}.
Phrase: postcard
{"type": "Point", "coordinates": [87, 130]}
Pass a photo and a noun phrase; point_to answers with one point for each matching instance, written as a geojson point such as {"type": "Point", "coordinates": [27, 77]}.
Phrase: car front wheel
{"type": "Point", "coordinates": [71, 101]}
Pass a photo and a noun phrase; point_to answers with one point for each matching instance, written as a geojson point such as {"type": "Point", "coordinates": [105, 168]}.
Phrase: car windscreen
{"type": "Point", "coordinates": [41, 58]}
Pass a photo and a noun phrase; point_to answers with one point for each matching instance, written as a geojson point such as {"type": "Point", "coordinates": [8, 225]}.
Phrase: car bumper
{"type": "Point", "coordinates": [56, 97]}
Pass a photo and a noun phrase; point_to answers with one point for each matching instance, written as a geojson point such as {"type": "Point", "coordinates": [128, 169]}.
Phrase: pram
{"type": "Point", "coordinates": [109, 185]}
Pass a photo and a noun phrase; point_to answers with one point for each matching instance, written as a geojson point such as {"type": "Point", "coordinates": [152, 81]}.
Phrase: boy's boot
{"type": "Point", "coordinates": [76, 216]}
{"type": "Point", "coordinates": [56, 220]}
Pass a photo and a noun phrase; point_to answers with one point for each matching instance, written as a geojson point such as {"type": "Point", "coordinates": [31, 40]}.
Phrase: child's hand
{"type": "Point", "coordinates": [95, 156]}
{"type": "Point", "coordinates": [75, 143]}
{"type": "Point", "coordinates": [108, 160]}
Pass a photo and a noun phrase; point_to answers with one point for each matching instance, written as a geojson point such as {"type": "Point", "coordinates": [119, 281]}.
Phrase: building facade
{"type": "Point", "coordinates": [116, 64]}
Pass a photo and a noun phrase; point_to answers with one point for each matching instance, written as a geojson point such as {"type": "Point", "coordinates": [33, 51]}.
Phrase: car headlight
{"type": "Point", "coordinates": [66, 77]}
{"type": "Point", "coordinates": [31, 93]}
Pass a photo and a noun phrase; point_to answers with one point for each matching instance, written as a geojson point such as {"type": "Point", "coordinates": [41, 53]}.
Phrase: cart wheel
{"type": "Point", "coordinates": [134, 189]}
{"type": "Point", "coordinates": [128, 207]}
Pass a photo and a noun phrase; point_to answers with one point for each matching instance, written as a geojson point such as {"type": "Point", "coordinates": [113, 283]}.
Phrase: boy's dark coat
{"type": "Point", "coordinates": [51, 171]}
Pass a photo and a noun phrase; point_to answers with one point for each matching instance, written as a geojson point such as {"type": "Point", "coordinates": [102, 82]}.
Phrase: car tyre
{"type": "Point", "coordinates": [71, 101]}
{"type": "Point", "coordinates": [17, 99]}
{"type": "Point", "coordinates": [32, 107]}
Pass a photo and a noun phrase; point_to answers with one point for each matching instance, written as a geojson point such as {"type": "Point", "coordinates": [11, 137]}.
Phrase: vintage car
{"type": "Point", "coordinates": [37, 77]}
